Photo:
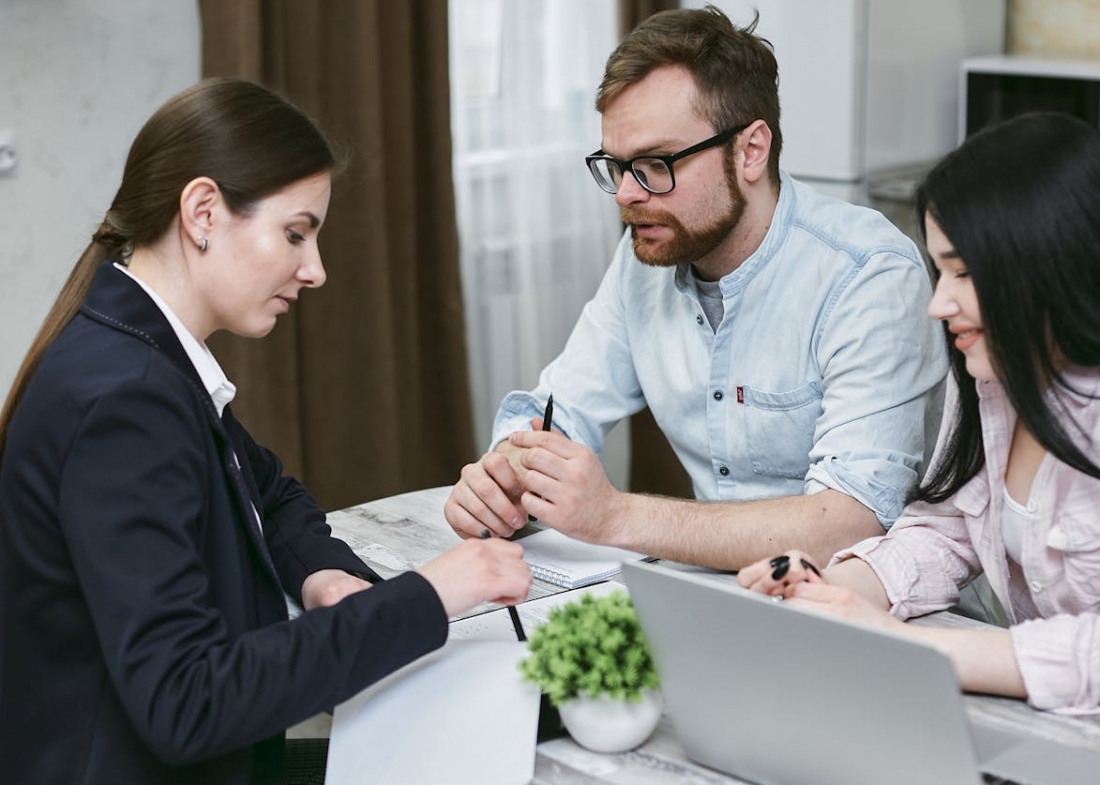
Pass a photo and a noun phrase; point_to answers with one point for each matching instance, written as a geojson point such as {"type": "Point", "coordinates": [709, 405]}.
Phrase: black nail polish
{"type": "Point", "coordinates": [778, 560]}
{"type": "Point", "coordinates": [781, 570]}
{"type": "Point", "coordinates": [807, 565]}
{"type": "Point", "coordinates": [486, 534]}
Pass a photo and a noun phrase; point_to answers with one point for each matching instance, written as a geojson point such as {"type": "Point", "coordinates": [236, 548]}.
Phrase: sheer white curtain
{"type": "Point", "coordinates": [536, 233]}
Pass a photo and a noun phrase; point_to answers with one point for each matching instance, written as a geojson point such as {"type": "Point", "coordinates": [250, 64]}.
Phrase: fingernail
{"type": "Point", "coordinates": [778, 560]}
{"type": "Point", "coordinates": [781, 570]}
{"type": "Point", "coordinates": [486, 534]}
{"type": "Point", "coordinates": [807, 565]}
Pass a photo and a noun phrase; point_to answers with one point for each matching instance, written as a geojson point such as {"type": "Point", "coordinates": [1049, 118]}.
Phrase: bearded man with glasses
{"type": "Point", "coordinates": [778, 336]}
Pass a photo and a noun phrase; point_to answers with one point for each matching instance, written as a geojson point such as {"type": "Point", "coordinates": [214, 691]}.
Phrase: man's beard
{"type": "Point", "coordinates": [685, 247]}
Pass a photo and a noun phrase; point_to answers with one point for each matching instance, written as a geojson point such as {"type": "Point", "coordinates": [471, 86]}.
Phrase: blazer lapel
{"type": "Point", "coordinates": [118, 302]}
{"type": "Point", "coordinates": [248, 503]}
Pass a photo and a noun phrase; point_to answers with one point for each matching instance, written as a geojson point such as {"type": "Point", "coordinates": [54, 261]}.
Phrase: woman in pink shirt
{"type": "Point", "coordinates": [1012, 225]}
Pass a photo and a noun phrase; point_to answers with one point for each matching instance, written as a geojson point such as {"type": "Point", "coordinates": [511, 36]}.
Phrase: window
{"type": "Point", "coordinates": [536, 234]}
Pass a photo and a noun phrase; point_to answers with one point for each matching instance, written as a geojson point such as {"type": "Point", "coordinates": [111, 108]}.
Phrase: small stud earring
{"type": "Point", "coordinates": [203, 244]}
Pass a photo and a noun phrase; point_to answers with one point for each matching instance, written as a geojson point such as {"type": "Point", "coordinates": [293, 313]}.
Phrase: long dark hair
{"type": "Point", "coordinates": [249, 140]}
{"type": "Point", "coordinates": [1020, 202]}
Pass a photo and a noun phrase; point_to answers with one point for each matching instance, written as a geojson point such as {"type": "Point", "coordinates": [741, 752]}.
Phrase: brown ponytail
{"type": "Point", "coordinates": [66, 305]}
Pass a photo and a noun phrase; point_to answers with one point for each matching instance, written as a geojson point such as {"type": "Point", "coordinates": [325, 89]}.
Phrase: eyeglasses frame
{"type": "Point", "coordinates": [628, 165]}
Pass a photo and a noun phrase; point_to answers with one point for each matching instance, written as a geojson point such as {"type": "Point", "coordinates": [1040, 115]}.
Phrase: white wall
{"type": "Point", "coordinates": [77, 80]}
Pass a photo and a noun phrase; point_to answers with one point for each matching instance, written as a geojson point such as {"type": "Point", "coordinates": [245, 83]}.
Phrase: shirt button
{"type": "Point", "coordinates": [724, 471]}
{"type": "Point", "coordinates": [717, 395]}
{"type": "Point", "coordinates": [698, 319]}
{"type": "Point", "coordinates": [1036, 587]}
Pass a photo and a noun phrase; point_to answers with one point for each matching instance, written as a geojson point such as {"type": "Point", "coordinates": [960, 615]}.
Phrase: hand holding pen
{"type": "Point", "coordinates": [566, 486]}
{"type": "Point", "coordinates": [486, 497]}
{"type": "Point", "coordinates": [547, 419]}
{"type": "Point", "coordinates": [513, 614]}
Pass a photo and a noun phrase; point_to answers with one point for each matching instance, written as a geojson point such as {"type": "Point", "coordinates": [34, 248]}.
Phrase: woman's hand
{"type": "Point", "coordinates": [775, 576]}
{"type": "Point", "coordinates": [328, 587]}
{"type": "Point", "coordinates": [842, 602]}
{"type": "Point", "coordinates": [477, 571]}
{"type": "Point", "coordinates": [796, 579]}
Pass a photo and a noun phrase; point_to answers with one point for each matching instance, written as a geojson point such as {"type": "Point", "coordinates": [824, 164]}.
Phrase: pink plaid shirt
{"type": "Point", "coordinates": [1053, 597]}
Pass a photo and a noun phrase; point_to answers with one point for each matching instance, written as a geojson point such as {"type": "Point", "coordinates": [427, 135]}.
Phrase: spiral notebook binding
{"type": "Point", "coordinates": [547, 574]}
{"type": "Point", "coordinates": [566, 579]}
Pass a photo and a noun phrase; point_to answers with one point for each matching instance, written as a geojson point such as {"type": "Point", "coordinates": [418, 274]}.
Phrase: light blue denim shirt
{"type": "Point", "coordinates": [820, 374]}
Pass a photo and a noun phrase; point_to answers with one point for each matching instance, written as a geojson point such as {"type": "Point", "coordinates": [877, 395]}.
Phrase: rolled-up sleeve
{"type": "Point", "coordinates": [1059, 659]}
{"type": "Point", "coordinates": [882, 361]}
{"type": "Point", "coordinates": [923, 561]}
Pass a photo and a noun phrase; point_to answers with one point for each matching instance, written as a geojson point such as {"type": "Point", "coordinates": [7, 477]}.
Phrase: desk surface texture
{"type": "Point", "coordinates": [400, 533]}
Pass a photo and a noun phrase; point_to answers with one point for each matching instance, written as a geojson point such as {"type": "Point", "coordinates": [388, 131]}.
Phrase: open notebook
{"type": "Point", "coordinates": [563, 561]}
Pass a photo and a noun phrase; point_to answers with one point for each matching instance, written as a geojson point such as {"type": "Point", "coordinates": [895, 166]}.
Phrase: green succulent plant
{"type": "Point", "coordinates": [593, 646]}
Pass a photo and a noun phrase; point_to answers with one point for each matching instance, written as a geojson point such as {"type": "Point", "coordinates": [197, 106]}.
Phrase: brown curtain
{"type": "Point", "coordinates": [633, 11]}
{"type": "Point", "coordinates": [654, 467]}
{"type": "Point", "coordinates": [362, 389]}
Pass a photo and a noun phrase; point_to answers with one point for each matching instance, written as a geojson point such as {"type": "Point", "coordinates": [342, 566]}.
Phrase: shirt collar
{"type": "Point", "coordinates": [218, 386]}
{"type": "Point", "coordinates": [769, 246]}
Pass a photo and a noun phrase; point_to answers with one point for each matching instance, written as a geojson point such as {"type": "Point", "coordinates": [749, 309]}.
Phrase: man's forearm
{"type": "Point", "coordinates": [730, 535]}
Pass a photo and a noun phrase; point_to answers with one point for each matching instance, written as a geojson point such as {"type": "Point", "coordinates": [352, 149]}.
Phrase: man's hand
{"type": "Point", "coordinates": [565, 486]}
{"type": "Point", "coordinates": [487, 495]}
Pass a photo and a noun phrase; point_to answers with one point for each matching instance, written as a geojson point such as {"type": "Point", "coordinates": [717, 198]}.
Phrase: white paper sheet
{"type": "Point", "coordinates": [461, 716]}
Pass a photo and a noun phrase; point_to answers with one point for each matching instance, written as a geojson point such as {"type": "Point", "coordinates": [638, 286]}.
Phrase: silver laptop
{"type": "Point", "coordinates": [777, 695]}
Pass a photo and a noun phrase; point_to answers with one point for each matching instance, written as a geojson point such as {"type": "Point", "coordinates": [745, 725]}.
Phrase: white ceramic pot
{"type": "Point", "coordinates": [604, 724]}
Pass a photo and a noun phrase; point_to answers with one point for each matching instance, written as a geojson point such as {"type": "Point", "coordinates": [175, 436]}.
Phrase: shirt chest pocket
{"type": "Point", "coordinates": [779, 429]}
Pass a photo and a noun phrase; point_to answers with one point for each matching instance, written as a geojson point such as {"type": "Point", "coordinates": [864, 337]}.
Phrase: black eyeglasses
{"type": "Point", "coordinates": [653, 172]}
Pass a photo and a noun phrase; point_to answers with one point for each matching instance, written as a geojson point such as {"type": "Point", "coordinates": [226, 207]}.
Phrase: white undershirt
{"type": "Point", "coordinates": [1017, 518]}
{"type": "Point", "coordinates": [221, 390]}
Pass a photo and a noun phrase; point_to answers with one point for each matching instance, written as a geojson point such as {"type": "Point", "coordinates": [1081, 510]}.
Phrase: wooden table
{"type": "Point", "coordinates": [402, 532]}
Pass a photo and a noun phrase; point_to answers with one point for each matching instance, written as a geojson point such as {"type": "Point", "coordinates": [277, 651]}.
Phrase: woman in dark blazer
{"type": "Point", "coordinates": [146, 541]}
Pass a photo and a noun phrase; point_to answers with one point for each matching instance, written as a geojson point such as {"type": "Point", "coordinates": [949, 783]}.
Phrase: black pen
{"type": "Point", "coordinates": [548, 413]}
{"type": "Point", "coordinates": [517, 625]}
{"type": "Point", "coordinates": [547, 418]}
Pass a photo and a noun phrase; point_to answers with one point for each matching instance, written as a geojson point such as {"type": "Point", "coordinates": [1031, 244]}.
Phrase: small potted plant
{"type": "Point", "coordinates": [592, 661]}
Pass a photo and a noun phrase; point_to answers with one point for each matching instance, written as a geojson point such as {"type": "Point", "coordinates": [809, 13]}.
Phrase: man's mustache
{"type": "Point", "coordinates": [630, 216]}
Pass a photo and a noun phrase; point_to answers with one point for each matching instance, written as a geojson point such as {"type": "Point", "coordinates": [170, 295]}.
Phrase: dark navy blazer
{"type": "Point", "coordinates": [143, 627]}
